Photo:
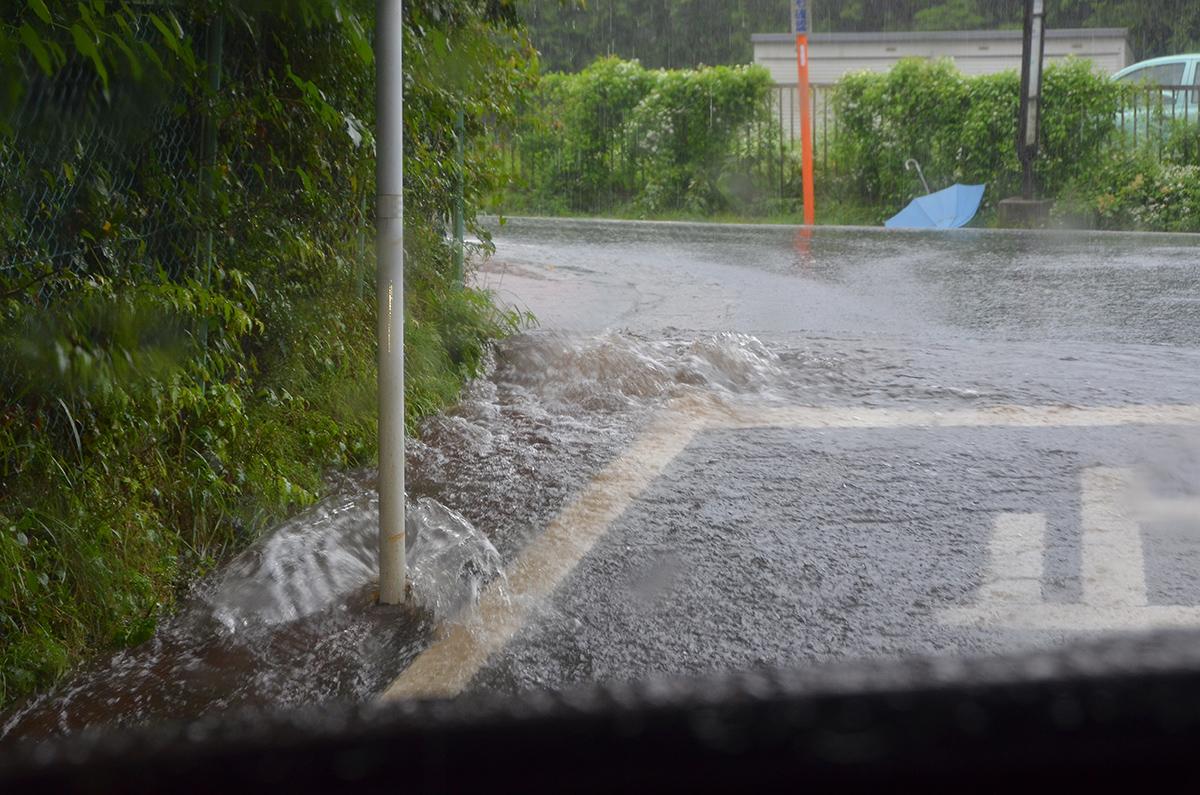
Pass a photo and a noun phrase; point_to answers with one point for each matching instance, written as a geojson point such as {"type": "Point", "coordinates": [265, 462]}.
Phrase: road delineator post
{"type": "Point", "coordinates": [805, 99]}
{"type": "Point", "coordinates": [389, 174]}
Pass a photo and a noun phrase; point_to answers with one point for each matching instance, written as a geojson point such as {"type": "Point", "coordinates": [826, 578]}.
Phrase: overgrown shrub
{"type": "Point", "coordinates": [1143, 187]}
{"type": "Point", "coordinates": [616, 135]}
{"type": "Point", "coordinates": [158, 409]}
{"type": "Point", "coordinates": [963, 129]}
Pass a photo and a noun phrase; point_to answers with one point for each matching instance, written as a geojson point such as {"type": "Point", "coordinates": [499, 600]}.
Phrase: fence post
{"type": "Point", "coordinates": [389, 178]}
{"type": "Point", "coordinates": [460, 179]}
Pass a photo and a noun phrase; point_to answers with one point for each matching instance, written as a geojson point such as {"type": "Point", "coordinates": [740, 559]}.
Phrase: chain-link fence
{"type": "Point", "coordinates": [97, 171]}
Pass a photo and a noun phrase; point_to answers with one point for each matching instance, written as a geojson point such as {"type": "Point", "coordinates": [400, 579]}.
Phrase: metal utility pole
{"type": "Point", "coordinates": [806, 138]}
{"type": "Point", "coordinates": [1032, 59]}
{"type": "Point", "coordinates": [389, 178]}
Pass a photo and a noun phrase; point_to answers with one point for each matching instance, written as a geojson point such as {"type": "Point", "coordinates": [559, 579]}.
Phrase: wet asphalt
{"type": "Point", "coordinates": [783, 546]}
{"type": "Point", "coordinates": [761, 543]}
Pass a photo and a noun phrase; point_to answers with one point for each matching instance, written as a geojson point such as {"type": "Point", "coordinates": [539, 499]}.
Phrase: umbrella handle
{"type": "Point", "coordinates": [910, 164]}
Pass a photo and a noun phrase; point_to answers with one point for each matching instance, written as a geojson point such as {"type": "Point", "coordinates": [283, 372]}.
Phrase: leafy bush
{"type": "Point", "coordinates": [616, 134]}
{"type": "Point", "coordinates": [1140, 188]}
{"type": "Point", "coordinates": [963, 129]}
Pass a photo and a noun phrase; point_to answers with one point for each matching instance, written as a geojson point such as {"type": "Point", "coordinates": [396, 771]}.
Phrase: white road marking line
{"type": "Point", "coordinates": [449, 664]}
{"type": "Point", "coordinates": [1113, 566]}
{"type": "Point", "coordinates": [1113, 505]}
{"type": "Point", "coordinates": [1017, 549]}
{"type": "Point", "coordinates": [1179, 509]}
{"type": "Point", "coordinates": [1073, 617]}
{"type": "Point", "coordinates": [997, 416]}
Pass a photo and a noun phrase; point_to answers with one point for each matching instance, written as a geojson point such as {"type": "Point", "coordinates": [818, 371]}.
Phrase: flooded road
{"type": "Point", "coordinates": [729, 447]}
{"type": "Point", "coordinates": [969, 444]}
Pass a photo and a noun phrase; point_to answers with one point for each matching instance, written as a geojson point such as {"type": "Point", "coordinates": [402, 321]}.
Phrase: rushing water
{"type": "Point", "coordinates": [292, 620]}
{"type": "Point", "coordinates": [850, 320]}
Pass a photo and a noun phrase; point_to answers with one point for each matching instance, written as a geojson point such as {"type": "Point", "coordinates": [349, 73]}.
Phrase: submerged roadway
{"type": "Point", "coordinates": [954, 444]}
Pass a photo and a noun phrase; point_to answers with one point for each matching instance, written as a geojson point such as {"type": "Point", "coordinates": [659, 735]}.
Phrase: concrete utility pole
{"type": "Point", "coordinates": [389, 178]}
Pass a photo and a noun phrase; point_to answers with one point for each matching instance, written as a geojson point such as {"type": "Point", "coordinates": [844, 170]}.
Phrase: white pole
{"type": "Point", "coordinates": [389, 177]}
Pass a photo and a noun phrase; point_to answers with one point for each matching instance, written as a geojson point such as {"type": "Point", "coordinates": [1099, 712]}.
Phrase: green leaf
{"type": "Point", "coordinates": [87, 48]}
{"type": "Point", "coordinates": [135, 65]}
{"type": "Point", "coordinates": [309, 188]}
{"type": "Point", "coordinates": [359, 40]}
{"type": "Point", "coordinates": [85, 14]}
{"type": "Point", "coordinates": [60, 55]}
{"type": "Point", "coordinates": [168, 34]}
{"type": "Point", "coordinates": [33, 43]}
{"type": "Point", "coordinates": [39, 8]}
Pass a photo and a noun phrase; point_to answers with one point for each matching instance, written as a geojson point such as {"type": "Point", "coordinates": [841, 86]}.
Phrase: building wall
{"type": "Point", "coordinates": [833, 55]}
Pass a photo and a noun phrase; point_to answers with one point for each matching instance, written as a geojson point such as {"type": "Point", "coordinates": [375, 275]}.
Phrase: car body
{"type": "Point", "coordinates": [1177, 77]}
{"type": "Point", "coordinates": [1172, 71]}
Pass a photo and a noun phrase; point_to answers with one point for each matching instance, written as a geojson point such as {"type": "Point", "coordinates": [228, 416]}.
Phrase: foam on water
{"type": "Point", "coordinates": [331, 551]}
{"type": "Point", "coordinates": [619, 370]}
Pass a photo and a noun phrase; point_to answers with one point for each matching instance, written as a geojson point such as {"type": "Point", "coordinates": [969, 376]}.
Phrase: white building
{"type": "Point", "coordinates": [974, 52]}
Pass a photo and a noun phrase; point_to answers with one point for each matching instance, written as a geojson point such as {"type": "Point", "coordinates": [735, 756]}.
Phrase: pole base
{"type": "Point", "coordinates": [1019, 213]}
{"type": "Point", "coordinates": [407, 600]}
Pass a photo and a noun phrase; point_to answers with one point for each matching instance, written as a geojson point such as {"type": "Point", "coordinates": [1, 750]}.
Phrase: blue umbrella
{"type": "Point", "coordinates": [947, 209]}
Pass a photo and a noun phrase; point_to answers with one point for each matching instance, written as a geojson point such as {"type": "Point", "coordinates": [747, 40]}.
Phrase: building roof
{"type": "Point", "coordinates": [937, 35]}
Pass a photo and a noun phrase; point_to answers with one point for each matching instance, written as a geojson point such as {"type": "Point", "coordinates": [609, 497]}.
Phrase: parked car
{"type": "Point", "coordinates": [1172, 93]}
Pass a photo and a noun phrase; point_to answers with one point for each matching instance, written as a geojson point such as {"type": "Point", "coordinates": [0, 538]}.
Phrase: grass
{"type": "Point", "coordinates": [833, 213]}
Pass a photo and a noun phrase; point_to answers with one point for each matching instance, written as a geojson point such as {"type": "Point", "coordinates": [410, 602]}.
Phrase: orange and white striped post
{"type": "Point", "coordinates": [806, 137]}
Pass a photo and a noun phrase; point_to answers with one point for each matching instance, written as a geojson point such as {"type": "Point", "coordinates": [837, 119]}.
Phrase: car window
{"type": "Point", "coordinates": [1168, 74]}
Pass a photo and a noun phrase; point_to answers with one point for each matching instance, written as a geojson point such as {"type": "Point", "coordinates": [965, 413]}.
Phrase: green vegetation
{"type": "Point", "coordinates": [639, 141]}
{"type": "Point", "coordinates": [622, 141]}
{"type": "Point", "coordinates": [1143, 188]}
{"type": "Point", "coordinates": [686, 33]}
{"type": "Point", "coordinates": [662, 34]}
{"type": "Point", "coordinates": [963, 129]}
{"type": "Point", "coordinates": [158, 408]}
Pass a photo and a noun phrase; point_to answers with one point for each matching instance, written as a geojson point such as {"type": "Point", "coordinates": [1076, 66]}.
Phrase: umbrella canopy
{"type": "Point", "coordinates": [947, 209]}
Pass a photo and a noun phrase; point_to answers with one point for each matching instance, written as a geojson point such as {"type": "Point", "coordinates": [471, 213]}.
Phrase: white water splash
{"type": "Point", "coordinates": [331, 551]}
